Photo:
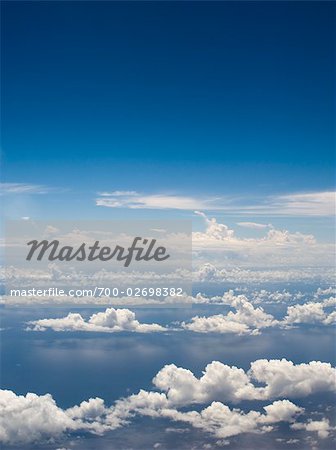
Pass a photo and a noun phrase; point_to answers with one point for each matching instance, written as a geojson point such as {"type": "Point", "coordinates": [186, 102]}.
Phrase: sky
{"type": "Point", "coordinates": [220, 113]}
{"type": "Point", "coordinates": [160, 96]}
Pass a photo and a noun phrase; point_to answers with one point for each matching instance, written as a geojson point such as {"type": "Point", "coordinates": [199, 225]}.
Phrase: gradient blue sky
{"type": "Point", "coordinates": [228, 100]}
{"type": "Point", "coordinates": [222, 107]}
{"type": "Point", "coordinates": [201, 98]}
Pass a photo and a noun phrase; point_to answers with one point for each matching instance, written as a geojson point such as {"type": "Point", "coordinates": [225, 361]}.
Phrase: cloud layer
{"type": "Point", "coordinates": [294, 204]}
{"type": "Point", "coordinates": [275, 248]}
{"type": "Point", "coordinates": [32, 418]}
{"type": "Point", "coordinates": [110, 321]}
{"type": "Point", "coordinates": [246, 317]}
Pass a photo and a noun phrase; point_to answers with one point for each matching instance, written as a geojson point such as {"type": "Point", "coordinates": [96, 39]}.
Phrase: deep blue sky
{"type": "Point", "coordinates": [209, 97]}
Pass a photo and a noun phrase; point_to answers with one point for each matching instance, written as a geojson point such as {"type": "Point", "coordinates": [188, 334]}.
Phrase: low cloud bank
{"type": "Point", "coordinates": [35, 418]}
{"type": "Point", "coordinates": [110, 321]}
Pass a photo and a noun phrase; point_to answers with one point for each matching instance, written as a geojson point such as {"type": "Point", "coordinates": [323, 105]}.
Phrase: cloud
{"type": "Point", "coordinates": [23, 188]}
{"type": "Point", "coordinates": [321, 427]}
{"type": "Point", "coordinates": [135, 200]}
{"type": "Point", "coordinates": [281, 411]}
{"type": "Point", "coordinates": [331, 301]}
{"type": "Point", "coordinates": [294, 204]}
{"type": "Point", "coordinates": [219, 245]}
{"type": "Point", "coordinates": [218, 254]}
{"type": "Point", "coordinates": [327, 291]}
{"type": "Point", "coordinates": [253, 225]}
{"type": "Point", "coordinates": [246, 319]}
{"type": "Point", "coordinates": [255, 297]}
{"type": "Point", "coordinates": [222, 422]}
{"type": "Point", "coordinates": [216, 324]}
{"type": "Point", "coordinates": [203, 277]}
{"type": "Point", "coordinates": [307, 204]}
{"type": "Point", "coordinates": [311, 312]}
{"type": "Point", "coordinates": [110, 321]}
{"type": "Point", "coordinates": [284, 296]}
{"type": "Point", "coordinates": [220, 232]}
{"type": "Point", "coordinates": [48, 421]}
{"type": "Point", "coordinates": [214, 230]}
{"type": "Point", "coordinates": [219, 381]}
{"type": "Point", "coordinates": [212, 273]}
{"type": "Point", "coordinates": [306, 313]}
{"type": "Point", "coordinates": [118, 194]}
{"type": "Point", "coordinates": [284, 378]}
{"type": "Point", "coordinates": [330, 319]}
{"type": "Point", "coordinates": [249, 319]}
{"type": "Point", "coordinates": [35, 419]}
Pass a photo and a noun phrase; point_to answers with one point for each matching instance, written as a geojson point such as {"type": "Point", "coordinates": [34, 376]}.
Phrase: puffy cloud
{"type": "Point", "coordinates": [284, 296]}
{"type": "Point", "coordinates": [284, 378]}
{"type": "Point", "coordinates": [91, 409]}
{"type": "Point", "coordinates": [321, 427]}
{"type": "Point", "coordinates": [249, 319]}
{"type": "Point", "coordinates": [223, 422]}
{"type": "Point", "coordinates": [33, 418]}
{"type": "Point", "coordinates": [218, 382]}
{"type": "Point", "coordinates": [110, 321]}
{"type": "Point", "coordinates": [205, 273]}
{"type": "Point", "coordinates": [330, 319]}
{"type": "Point", "coordinates": [255, 297]}
{"type": "Point", "coordinates": [306, 313]}
{"type": "Point", "coordinates": [246, 319]}
{"type": "Point", "coordinates": [310, 313]}
{"type": "Point", "coordinates": [278, 247]}
{"type": "Point", "coordinates": [217, 419]}
{"type": "Point", "coordinates": [281, 411]}
{"type": "Point", "coordinates": [331, 301]}
{"type": "Point", "coordinates": [212, 273]}
{"type": "Point", "coordinates": [216, 324]}
{"type": "Point", "coordinates": [218, 242]}
{"type": "Point", "coordinates": [327, 291]}
{"type": "Point", "coordinates": [220, 232]}
{"type": "Point", "coordinates": [228, 383]}
{"type": "Point", "coordinates": [214, 230]}
{"type": "Point", "coordinates": [285, 237]}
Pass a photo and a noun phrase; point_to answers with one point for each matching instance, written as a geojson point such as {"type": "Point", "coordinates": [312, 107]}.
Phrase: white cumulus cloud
{"type": "Point", "coordinates": [275, 379]}
{"type": "Point", "coordinates": [35, 418]}
{"type": "Point", "coordinates": [109, 321]}
{"type": "Point", "coordinates": [321, 427]}
{"type": "Point", "coordinates": [246, 319]}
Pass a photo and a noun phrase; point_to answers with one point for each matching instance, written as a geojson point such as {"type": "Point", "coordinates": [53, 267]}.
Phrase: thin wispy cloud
{"type": "Point", "coordinates": [296, 204]}
{"type": "Point", "coordinates": [253, 225]}
{"type": "Point", "coordinates": [25, 188]}
{"type": "Point", "coordinates": [135, 200]}
{"type": "Point", "coordinates": [303, 204]}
